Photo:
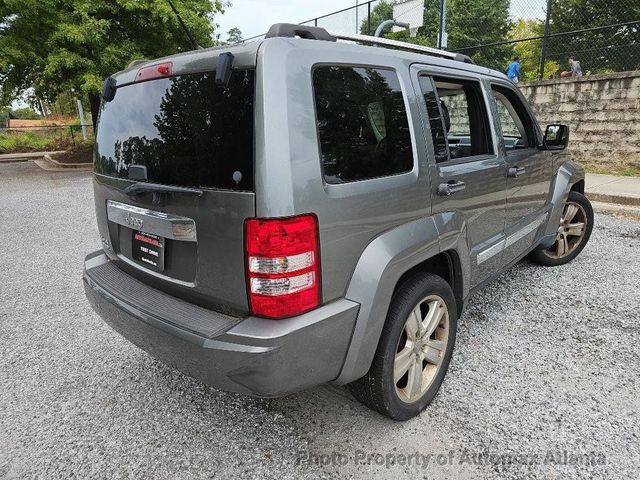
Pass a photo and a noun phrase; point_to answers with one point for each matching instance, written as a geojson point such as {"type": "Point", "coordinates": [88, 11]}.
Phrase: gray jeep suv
{"type": "Point", "coordinates": [309, 208]}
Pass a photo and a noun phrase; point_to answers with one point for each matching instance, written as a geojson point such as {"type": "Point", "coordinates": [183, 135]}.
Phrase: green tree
{"type": "Point", "coordinates": [469, 23]}
{"type": "Point", "coordinates": [234, 35]}
{"type": "Point", "coordinates": [4, 115]}
{"type": "Point", "coordinates": [478, 22]}
{"type": "Point", "coordinates": [530, 51]}
{"type": "Point", "coordinates": [601, 50]}
{"type": "Point", "coordinates": [58, 45]}
{"type": "Point", "coordinates": [25, 113]}
{"type": "Point", "coordinates": [381, 12]}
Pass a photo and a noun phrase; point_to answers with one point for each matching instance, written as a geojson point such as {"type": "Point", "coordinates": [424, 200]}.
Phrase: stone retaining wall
{"type": "Point", "coordinates": [603, 112]}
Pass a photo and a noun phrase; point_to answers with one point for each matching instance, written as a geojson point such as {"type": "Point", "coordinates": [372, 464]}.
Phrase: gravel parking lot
{"type": "Point", "coordinates": [543, 383]}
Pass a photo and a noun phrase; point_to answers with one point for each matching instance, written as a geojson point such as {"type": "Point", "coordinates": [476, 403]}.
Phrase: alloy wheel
{"type": "Point", "coordinates": [570, 232]}
{"type": "Point", "coordinates": [421, 348]}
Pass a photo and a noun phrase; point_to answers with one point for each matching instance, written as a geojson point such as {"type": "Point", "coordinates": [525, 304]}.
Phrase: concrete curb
{"type": "Point", "coordinates": [616, 199]}
{"type": "Point", "coordinates": [50, 165]}
{"type": "Point", "coordinates": [616, 210]}
{"type": "Point", "coordinates": [76, 166]}
{"type": "Point", "coordinates": [24, 157]}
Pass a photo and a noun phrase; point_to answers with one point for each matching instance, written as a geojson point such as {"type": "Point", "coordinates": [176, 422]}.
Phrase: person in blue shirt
{"type": "Point", "coordinates": [513, 70]}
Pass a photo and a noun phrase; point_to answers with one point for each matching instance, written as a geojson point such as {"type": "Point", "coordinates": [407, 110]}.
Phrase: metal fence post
{"type": "Point", "coordinates": [81, 115]}
{"type": "Point", "coordinates": [545, 40]}
{"type": "Point", "coordinates": [442, 30]}
{"type": "Point", "coordinates": [368, 18]}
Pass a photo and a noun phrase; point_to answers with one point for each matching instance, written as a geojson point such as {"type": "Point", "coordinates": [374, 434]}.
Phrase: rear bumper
{"type": "Point", "coordinates": [252, 355]}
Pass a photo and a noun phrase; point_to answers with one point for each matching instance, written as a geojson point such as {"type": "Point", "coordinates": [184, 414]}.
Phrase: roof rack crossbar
{"type": "Point", "coordinates": [412, 47]}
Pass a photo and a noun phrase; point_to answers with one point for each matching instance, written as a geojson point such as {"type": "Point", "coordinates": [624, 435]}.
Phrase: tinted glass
{"type": "Point", "coordinates": [438, 133]}
{"type": "Point", "coordinates": [362, 123]}
{"type": "Point", "coordinates": [516, 124]}
{"type": "Point", "coordinates": [185, 130]}
{"type": "Point", "coordinates": [462, 103]}
{"type": "Point", "coordinates": [509, 127]}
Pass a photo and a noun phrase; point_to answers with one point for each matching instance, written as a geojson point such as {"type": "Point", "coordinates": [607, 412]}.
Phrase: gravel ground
{"type": "Point", "coordinates": [546, 364]}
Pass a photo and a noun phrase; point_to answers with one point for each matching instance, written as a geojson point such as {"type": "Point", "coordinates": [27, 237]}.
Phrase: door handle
{"type": "Point", "coordinates": [515, 172]}
{"type": "Point", "coordinates": [451, 187]}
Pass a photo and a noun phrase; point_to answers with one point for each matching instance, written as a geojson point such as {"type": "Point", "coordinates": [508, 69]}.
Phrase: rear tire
{"type": "Point", "coordinates": [414, 350]}
{"type": "Point", "coordinates": [572, 235]}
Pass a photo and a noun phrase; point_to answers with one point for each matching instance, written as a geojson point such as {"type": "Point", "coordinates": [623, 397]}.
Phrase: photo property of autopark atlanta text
{"type": "Point", "coordinates": [341, 239]}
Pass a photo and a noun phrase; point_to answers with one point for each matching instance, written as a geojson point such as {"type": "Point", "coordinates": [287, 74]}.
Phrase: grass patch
{"type": "Point", "coordinates": [628, 170]}
{"type": "Point", "coordinates": [15, 141]}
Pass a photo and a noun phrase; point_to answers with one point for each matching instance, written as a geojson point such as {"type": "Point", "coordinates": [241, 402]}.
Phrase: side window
{"type": "Point", "coordinates": [465, 117]}
{"type": "Point", "coordinates": [517, 127]}
{"type": "Point", "coordinates": [362, 123]}
{"type": "Point", "coordinates": [457, 117]}
{"type": "Point", "coordinates": [436, 122]}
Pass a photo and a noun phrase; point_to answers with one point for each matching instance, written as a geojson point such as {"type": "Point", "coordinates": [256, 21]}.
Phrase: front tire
{"type": "Point", "coordinates": [572, 235]}
{"type": "Point", "coordinates": [414, 350]}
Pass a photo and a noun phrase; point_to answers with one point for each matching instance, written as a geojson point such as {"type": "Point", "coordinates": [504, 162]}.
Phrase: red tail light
{"type": "Point", "coordinates": [283, 265]}
{"type": "Point", "coordinates": [154, 71]}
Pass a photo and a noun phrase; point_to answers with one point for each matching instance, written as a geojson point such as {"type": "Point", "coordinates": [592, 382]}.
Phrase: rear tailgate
{"type": "Point", "coordinates": [174, 184]}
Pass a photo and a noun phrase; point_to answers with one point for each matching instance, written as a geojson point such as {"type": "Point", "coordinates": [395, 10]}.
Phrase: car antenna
{"type": "Point", "coordinates": [184, 27]}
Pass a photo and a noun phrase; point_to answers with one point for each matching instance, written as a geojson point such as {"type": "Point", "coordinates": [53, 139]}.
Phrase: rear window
{"type": "Point", "coordinates": [185, 130]}
{"type": "Point", "coordinates": [362, 123]}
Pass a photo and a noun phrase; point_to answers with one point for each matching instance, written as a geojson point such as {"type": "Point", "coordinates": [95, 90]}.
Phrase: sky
{"type": "Point", "coordinates": [254, 17]}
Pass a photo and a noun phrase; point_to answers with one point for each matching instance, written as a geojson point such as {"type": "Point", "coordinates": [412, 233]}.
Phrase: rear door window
{"type": "Point", "coordinates": [362, 123]}
{"type": "Point", "coordinates": [457, 117]}
{"type": "Point", "coordinates": [183, 130]}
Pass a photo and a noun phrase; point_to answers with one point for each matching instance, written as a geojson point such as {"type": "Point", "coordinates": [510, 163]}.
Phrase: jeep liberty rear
{"type": "Point", "coordinates": [174, 181]}
{"type": "Point", "coordinates": [297, 211]}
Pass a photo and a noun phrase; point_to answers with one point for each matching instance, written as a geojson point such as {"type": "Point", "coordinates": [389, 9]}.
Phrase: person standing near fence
{"type": "Point", "coordinates": [576, 69]}
{"type": "Point", "coordinates": [513, 70]}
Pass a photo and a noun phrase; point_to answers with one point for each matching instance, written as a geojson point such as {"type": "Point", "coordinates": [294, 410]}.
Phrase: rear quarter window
{"type": "Point", "coordinates": [362, 122]}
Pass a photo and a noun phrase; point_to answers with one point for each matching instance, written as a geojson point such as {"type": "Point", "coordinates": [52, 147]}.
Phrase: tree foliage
{"type": "Point", "coordinates": [530, 51]}
{"type": "Point", "coordinates": [234, 35]}
{"type": "Point", "coordinates": [381, 12]}
{"type": "Point", "coordinates": [25, 113]}
{"type": "Point", "coordinates": [469, 22]}
{"type": "Point", "coordinates": [600, 50]}
{"type": "Point", "coordinates": [480, 22]}
{"type": "Point", "coordinates": [58, 45]}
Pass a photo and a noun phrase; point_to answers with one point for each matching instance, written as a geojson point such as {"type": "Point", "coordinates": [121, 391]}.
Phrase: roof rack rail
{"type": "Point", "coordinates": [302, 31]}
{"type": "Point", "coordinates": [411, 47]}
{"type": "Point", "coordinates": [318, 33]}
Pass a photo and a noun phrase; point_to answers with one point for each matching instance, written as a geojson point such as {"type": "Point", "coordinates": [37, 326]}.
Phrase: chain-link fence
{"type": "Point", "coordinates": [43, 138]}
{"type": "Point", "coordinates": [603, 35]}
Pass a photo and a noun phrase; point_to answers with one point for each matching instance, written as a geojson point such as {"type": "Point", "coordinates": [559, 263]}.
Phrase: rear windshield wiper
{"type": "Point", "coordinates": [140, 188]}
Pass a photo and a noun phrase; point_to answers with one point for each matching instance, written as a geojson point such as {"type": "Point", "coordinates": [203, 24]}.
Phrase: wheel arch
{"type": "Point", "coordinates": [446, 265]}
{"type": "Point", "coordinates": [578, 187]}
{"type": "Point", "coordinates": [436, 244]}
{"type": "Point", "coordinates": [570, 176]}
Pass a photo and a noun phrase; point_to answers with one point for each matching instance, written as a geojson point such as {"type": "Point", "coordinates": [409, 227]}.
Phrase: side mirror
{"type": "Point", "coordinates": [556, 137]}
